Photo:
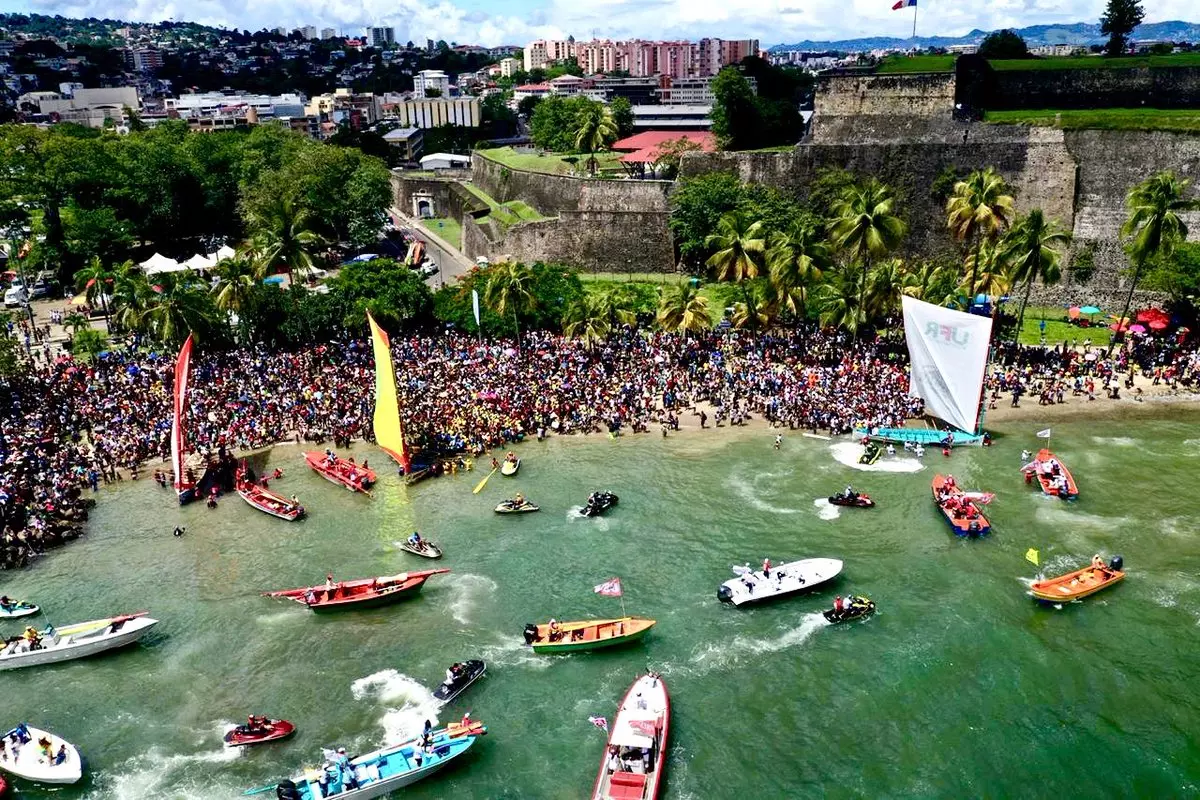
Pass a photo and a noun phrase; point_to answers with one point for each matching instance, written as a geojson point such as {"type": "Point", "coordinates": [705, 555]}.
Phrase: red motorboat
{"type": "Point", "coordinates": [633, 764]}
{"type": "Point", "coordinates": [960, 508]}
{"type": "Point", "coordinates": [342, 471]}
{"type": "Point", "coordinates": [267, 730]}
{"type": "Point", "coordinates": [362, 593]}
{"type": "Point", "coordinates": [1052, 475]}
{"type": "Point", "coordinates": [267, 501]}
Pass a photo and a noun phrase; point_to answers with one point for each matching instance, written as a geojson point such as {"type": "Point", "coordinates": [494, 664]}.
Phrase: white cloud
{"type": "Point", "coordinates": [771, 21]}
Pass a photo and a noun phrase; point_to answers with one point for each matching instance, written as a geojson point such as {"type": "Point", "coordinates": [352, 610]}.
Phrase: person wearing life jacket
{"type": "Point", "coordinates": [766, 568]}
{"type": "Point", "coordinates": [837, 604]}
{"type": "Point", "coordinates": [1097, 562]}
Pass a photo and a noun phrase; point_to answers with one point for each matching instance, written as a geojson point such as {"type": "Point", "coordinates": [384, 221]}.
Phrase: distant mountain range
{"type": "Point", "coordinates": [1078, 33]}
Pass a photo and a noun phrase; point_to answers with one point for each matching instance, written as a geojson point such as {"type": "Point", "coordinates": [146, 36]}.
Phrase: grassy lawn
{"type": "Point", "coordinates": [1058, 330]}
{"type": "Point", "coordinates": [898, 64]}
{"type": "Point", "coordinates": [1098, 62]}
{"type": "Point", "coordinates": [553, 163]}
{"type": "Point", "coordinates": [1115, 119]}
{"type": "Point", "coordinates": [448, 229]}
{"type": "Point", "coordinates": [505, 214]}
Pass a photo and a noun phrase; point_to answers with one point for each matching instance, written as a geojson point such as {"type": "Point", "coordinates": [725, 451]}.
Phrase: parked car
{"type": "Point", "coordinates": [16, 297]}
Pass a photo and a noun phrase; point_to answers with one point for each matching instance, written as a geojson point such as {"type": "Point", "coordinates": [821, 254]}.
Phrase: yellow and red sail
{"type": "Point", "coordinates": [389, 434]}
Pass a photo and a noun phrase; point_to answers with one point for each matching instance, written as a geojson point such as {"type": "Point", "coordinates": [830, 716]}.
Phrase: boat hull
{"type": "Point", "coordinates": [132, 631]}
{"type": "Point", "coordinates": [28, 765]}
{"type": "Point", "coordinates": [374, 601]}
{"type": "Point", "coordinates": [340, 477]}
{"type": "Point", "coordinates": [254, 500]}
{"type": "Point", "coordinates": [280, 729]}
{"type": "Point", "coordinates": [510, 468]}
{"type": "Point", "coordinates": [799, 576]}
{"type": "Point", "coordinates": [962, 525]}
{"type": "Point", "coordinates": [1076, 585]}
{"type": "Point", "coordinates": [475, 671]}
{"type": "Point", "coordinates": [642, 724]}
{"type": "Point", "coordinates": [572, 647]}
{"type": "Point", "coordinates": [22, 610]}
{"type": "Point", "coordinates": [430, 550]}
{"type": "Point", "coordinates": [593, 634]}
{"type": "Point", "coordinates": [926, 437]}
{"type": "Point", "coordinates": [1067, 491]}
{"type": "Point", "coordinates": [847, 614]}
{"type": "Point", "coordinates": [505, 508]}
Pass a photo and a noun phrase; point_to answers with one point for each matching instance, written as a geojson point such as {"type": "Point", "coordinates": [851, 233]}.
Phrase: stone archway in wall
{"type": "Point", "coordinates": [422, 206]}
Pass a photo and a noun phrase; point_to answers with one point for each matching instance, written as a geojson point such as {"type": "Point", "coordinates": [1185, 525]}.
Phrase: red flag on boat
{"type": "Point", "coordinates": [646, 727]}
{"type": "Point", "coordinates": [599, 722]}
{"type": "Point", "coordinates": [610, 588]}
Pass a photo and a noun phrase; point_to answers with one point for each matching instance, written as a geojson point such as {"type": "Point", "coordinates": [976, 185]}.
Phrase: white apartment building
{"type": "Point", "coordinates": [436, 111]}
{"type": "Point", "coordinates": [309, 32]}
{"type": "Point", "coordinates": [382, 37]}
{"type": "Point", "coordinates": [328, 33]}
{"type": "Point", "coordinates": [541, 52]}
{"type": "Point", "coordinates": [507, 67]}
{"type": "Point", "coordinates": [211, 104]}
{"type": "Point", "coordinates": [428, 79]}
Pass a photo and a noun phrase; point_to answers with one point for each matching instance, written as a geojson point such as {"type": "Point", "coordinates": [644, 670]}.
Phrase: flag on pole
{"type": "Point", "coordinates": [1045, 434]}
{"type": "Point", "coordinates": [599, 722]}
{"type": "Point", "coordinates": [904, 4]}
{"type": "Point", "coordinates": [1031, 555]}
{"type": "Point", "coordinates": [475, 305]}
{"type": "Point", "coordinates": [610, 588]}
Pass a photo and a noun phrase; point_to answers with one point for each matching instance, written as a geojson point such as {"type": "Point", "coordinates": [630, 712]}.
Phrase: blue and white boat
{"type": "Point", "coordinates": [926, 437]}
{"type": "Point", "coordinates": [382, 771]}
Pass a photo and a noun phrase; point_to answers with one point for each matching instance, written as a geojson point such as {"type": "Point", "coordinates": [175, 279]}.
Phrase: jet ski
{"type": "Point", "coordinates": [469, 672]}
{"type": "Point", "coordinates": [516, 507]}
{"type": "Point", "coordinates": [273, 730]}
{"type": "Point", "coordinates": [598, 503]}
{"type": "Point", "coordinates": [871, 453]}
{"type": "Point", "coordinates": [852, 608]}
{"type": "Point", "coordinates": [854, 499]}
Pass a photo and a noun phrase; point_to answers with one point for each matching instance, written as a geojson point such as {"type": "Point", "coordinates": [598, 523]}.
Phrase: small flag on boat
{"type": "Point", "coordinates": [610, 588]}
{"type": "Point", "coordinates": [646, 727]}
{"type": "Point", "coordinates": [599, 722]}
{"type": "Point", "coordinates": [1044, 434]}
{"type": "Point", "coordinates": [1031, 555]}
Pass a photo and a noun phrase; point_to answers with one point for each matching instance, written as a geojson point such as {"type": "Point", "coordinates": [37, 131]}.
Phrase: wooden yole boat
{"type": "Point", "coordinates": [354, 477]}
{"type": "Point", "coordinates": [1080, 583]}
{"type": "Point", "coordinates": [362, 593]}
{"type": "Point", "coordinates": [586, 634]}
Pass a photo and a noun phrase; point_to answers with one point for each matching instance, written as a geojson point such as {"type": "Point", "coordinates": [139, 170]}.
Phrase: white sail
{"type": "Point", "coordinates": [948, 351]}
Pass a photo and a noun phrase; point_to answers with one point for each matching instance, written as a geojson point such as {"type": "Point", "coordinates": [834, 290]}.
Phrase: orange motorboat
{"type": "Point", "coordinates": [342, 471]}
{"type": "Point", "coordinates": [1052, 475]}
{"type": "Point", "coordinates": [1080, 583]}
{"type": "Point", "coordinates": [961, 509]}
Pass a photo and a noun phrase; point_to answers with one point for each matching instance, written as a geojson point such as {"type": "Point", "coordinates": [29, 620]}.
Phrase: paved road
{"type": "Point", "coordinates": [452, 264]}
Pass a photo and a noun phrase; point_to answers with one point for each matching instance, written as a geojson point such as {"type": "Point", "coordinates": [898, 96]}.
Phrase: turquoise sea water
{"type": "Point", "coordinates": [959, 686]}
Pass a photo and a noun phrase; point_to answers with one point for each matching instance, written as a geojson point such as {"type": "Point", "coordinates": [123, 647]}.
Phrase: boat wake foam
{"type": "Point", "coordinates": [826, 509]}
{"type": "Point", "coordinates": [511, 652]}
{"type": "Point", "coordinates": [848, 453]}
{"type": "Point", "coordinates": [156, 774]}
{"type": "Point", "coordinates": [749, 492]}
{"type": "Point", "coordinates": [1115, 441]}
{"type": "Point", "coordinates": [575, 514]}
{"type": "Point", "coordinates": [469, 591]}
{"type": "Point", "coordinates": [416, 703]}
{"type": "Point", "coordinates": [278, 617]}
{"type": "Point", "coordinates": [737, 650]}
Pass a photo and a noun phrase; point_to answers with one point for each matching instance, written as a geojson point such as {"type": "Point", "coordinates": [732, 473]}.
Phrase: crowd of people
{"type": "Point", "coordinates": [68, 426]}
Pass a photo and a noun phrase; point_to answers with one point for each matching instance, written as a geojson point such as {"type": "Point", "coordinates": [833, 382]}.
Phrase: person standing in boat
{"type": "Point", "coordinates": [1097, 562]}
{"type": "Point", "coordinates": [766, 568]}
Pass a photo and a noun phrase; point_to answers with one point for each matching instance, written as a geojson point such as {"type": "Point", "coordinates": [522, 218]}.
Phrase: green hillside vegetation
{"type": "Point", "coordinates": [1110, 119]}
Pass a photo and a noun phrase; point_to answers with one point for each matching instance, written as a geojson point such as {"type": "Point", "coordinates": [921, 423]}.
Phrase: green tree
{"type": "Point", "coordinates": [697, 204]}
{"type": "Point", "coordinates": [796, 260]}
{"type": "Point", "coordinates": [669, 155]}
{"type": "Point", "coordinates": [179, 306]}
{"type": "Point", "coordinates": [236, 281]}
{"type": "Point", "coordinates": [866, 227]}
{"type": "Point", "coordinates": [978, 211]}
{"type": "Point", "coordinates": [838, 299]}
{"type": "Point", "coordinates": [1177, 274]}
{"type": "Point", "coordinates": [1002, 44]}
{"type": "Point", "coordinates": [554, 123]}
{"type": "Point", "coordinates": [1155, 226]}
{"type": "Point", "coordinates": [10, 359]}
{"type": "Point", "coordinates": [932, 282]}
{"type": "Point", "coordinates": [510, 291]}
{"type": "Point", "coordinates": [684, 310]}
{"type": "Point", "coordinates": [739, 248]}
{"type": "Point", "coordinates": [283, 235]}
{"type": "Point", "coordinates": [394, 294]}
{"type": "Point", "coordinates": [96, 281]}
{"type": "Point", "coordinates": [735, 117]}
{"type": "Point", "coordinates": [622, 114]}
{"type": "Point", "coordinates": [88, 342]}
{"type": "Point", "coordinates": [1032, 249]}
{"type": "Point", "coordinates": [528, 105]}
{"type": "Point", "coordinates": [594, 130]}
{"type": "Point", "coordinates": [753, 311]}
{"type": "Point", "coordinates": [885, 285]}
{"type": "Point", "coordinates": [594, 316]}
{"type": "Point", "coordinates": [1117, 23]}
{"type": "Point", "coordinates": [96, 233]}
{"type": "Point", "coordinates": [131, 296]}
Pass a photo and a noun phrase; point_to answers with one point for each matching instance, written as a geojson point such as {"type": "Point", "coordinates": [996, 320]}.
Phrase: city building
{"type": "Point", "coordinates": [344, 105]}
{"type": "Point", "coordinates": [407, 142]}
{"type": "Point", "coordinates": [309, 32]}
{"type": "Point", "coordinates": [674, 117]}
{"type": "Point", "coordinates": [963, 49]}
{"type": "Point", "coordinates": [1057, 50]}
{"type": "Point", "coordinates": [435, 111]}
{"type": "Point", "coordinates": [642, 58]}
{"type": "Point", "coordinates": [693, 91]}
{"type": "Point", "coordinates": [445, 161]}
{"type": "Point", "coordinates": [382, 37]}
{"type": "Point", "coordinates": [88, 107]}
{"type": "Point", "coordinates": [541, 52]}
{"type": "Point", "coordinates": [530, 90]}
{"type": "Point", "coordinates": [638, 91]}
{"type": "Point", "coordinates": [207, 105]}
{"type": "Point", "coordinates": [507, 67]}
{"type": "Point", "coordinates": [143, 59]}
{"type": "Point", "coordinates": [566, 85]}
{"type": "Point", "coordinates": [328, 33]}
{"type": "Point", "coordinates": [433, 79]}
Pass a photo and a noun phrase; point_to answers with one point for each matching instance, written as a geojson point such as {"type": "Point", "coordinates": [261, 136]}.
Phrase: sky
{"type": "Point", "coordinates": [496, 22]}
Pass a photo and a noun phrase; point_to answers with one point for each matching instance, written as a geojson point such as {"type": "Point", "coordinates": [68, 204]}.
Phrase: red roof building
{"type": "Point", "coordinates": [645, 147]}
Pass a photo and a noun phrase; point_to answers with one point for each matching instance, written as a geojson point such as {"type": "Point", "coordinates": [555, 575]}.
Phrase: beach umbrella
{"type": "Point", "coordinates": [1089, 310]}
{"type": "Point", "coordinates": [1157, 324]}
{"type": "Point", "coordinates": [1137, 328]}
{"type": "Point", "coordinates": [1122, 325]}
{"type": "Point", "coordinates": [1073, 312]}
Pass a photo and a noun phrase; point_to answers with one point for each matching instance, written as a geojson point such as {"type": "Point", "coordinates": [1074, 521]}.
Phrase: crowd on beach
{"type": "Point", "coordinates": [69, 426]}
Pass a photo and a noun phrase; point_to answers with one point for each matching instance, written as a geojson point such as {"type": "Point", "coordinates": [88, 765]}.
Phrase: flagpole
{"type": "Point", "coordinates": [914, 36]}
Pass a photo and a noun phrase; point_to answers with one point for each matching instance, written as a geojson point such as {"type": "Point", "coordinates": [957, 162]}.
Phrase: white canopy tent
{"type": "Point", "coordinates": [159, 263]}
{"type": "Point", "coordinates": [199, 263]}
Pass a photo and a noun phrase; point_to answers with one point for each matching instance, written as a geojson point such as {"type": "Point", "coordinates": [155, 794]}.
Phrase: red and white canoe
{"type": "Point", "coordinates": [634, 760]}
{"type": "Point", "coordinates": [959, 508]}
{"type": "Point", "coordinates": [267, 501]}
{"type": "Point", "coordinates": [275, 730]}
{"type": "Point", "coordinates": [343, 472]}
{"type": "Point", "coordinates": [1052, 475]}
{"type": "Point", "coordinates": [362, 593]}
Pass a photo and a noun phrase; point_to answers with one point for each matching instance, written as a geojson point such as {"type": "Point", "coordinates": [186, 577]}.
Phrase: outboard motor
{"type": "Point", "coordinates": [724, 594]}
{"type": "Point", "coordinates": [1116, 564]}
{"type": "Point", "coordinates": [286, 790]}
{"type": "Point", "coordinates": [531, 633]}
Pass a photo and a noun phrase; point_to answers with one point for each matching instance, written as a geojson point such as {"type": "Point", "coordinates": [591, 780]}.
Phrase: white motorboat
{"type": "Point", "coordinates": [37, 755]}
{"type": "Point", "coordinates": [18, 609]}
{"type": "Point", "coordinates": [784, 579]}
{"type": "Point", "coordinates": [76, 641]}
{"type": "Point", "coordinates": [634, 761]}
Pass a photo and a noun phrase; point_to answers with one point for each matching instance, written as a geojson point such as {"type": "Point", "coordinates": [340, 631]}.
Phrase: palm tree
{"type": "Point", "coordinates": [131, 295]}
{"type": "Point", "coordinates": [1154, 226]}
{"type": "Point", "coordinates": [76, 322]}
{"type": "Point", "coordinates": [927, 281]}
{"type": "Point", "coordinates": [739, 248]}
{"type": "Point", "coordinates": [996, 274]}
{"type": "Point", "coordinates": [796, 259]}
{"type": "Point", "coordinates": [179, 307]}
{"type": "Point", "coordinates": [282, 234]}
{"type": "Point", "coordinates": [236, 279]}
{"type": "Point", "coordinates": [594, 317]}
{"type": "Point", "coordinates": [1030, 248]}
{"type": "Point", "coordinates": [595, 129]}
{"type": "Point", "coordinates": [510, 288]}
{"type": "Point", "coordinates": [838, 299]}
{"type": "Point", "coordinates": [864, 227]}
{"type": "Point", "coordinates": [753, 313]}
{"type": "Point", "coordinates": [684, 310]}
{"type": "Point", "coordinates": [885, 284]}
{"type": "Point", "coordinates": [96, 281]}
{"type": "Point", "coordinates": [978, 210]}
